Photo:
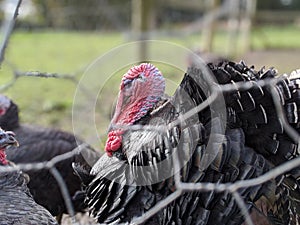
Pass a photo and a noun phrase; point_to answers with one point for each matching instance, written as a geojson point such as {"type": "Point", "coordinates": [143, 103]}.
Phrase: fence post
{"type": "Point", "coordinates": [245, 26]}
{"type": "Point", "coordinates": [233, 27]}
{"type": "Point", "coordinates": [141, 18]}
{"type": "Point", "coordinates": [209, 25]}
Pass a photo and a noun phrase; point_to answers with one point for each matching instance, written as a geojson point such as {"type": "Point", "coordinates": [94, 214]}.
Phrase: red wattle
{"type": "Point", "coordinates": [3, 157]}
{"type": "Point", "coordinates": [114, 142]}
{"type": "Point", "coordinates": [2, 112]}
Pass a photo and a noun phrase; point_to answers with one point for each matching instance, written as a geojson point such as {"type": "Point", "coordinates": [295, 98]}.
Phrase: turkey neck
{"type": "Point", "coordinates": [13, 179]}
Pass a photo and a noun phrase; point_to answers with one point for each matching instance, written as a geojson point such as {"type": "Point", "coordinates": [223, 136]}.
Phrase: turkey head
{"type": "Point", "coordinates": [7, 138]}
{"type": "Point", "coordinates": [141, 89]}
{"type": "Point", "coordinates": [4, 104]}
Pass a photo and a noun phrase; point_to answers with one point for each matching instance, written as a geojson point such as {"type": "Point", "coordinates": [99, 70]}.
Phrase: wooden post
{"type": "Point", "coordinates": [142, 11]}
{"type": "Point", "coordinates": [209, 25]}
{"type": "Point", "coordinates": [233, 26]}
{"type": "Point", "coordinates": [245, 25]}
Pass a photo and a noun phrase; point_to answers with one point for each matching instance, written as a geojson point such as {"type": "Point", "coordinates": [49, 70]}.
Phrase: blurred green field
{"type": "Point", "coordinates": [49, 101]}
{"type": "Point", "coordinates": [276, 37]}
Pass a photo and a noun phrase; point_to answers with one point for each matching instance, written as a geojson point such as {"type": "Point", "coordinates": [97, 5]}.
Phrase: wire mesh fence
{"type": "Point", "coordinates": [181, 187]}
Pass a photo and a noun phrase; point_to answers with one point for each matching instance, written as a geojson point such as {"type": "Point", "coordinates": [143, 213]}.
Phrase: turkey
{"type": "Point", "coordinates": [39, 144]}
{"type": "Point", "coordinates": [231, 140]}
{"type": "Point", "coordinates": [16, 203]}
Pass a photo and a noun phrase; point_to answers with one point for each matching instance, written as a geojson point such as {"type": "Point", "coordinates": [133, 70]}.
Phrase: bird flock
{"type": "Point", "coordinates": [154, 139]}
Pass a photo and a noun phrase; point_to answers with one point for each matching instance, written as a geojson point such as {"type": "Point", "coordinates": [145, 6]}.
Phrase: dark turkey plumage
{"type": "Point", "coordinates": [254, 110]}
{"type": "Point", "coordinates": [239, 139]}
{"type": "Point", "coordinates": [39, 144]}
{"type": "Point", "coordinates": [16, 203]}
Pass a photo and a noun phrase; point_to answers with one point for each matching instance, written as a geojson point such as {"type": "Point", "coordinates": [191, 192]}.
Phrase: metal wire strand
{"type": "Point", "coordinates": [181, 187]}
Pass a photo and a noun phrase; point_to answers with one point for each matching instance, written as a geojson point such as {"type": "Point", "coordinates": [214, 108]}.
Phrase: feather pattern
{"type": "Point", "coordinates": [16, 203]}
{"type": "Point", "coordinates": [38, 144]}
{"type": "Point", "coordinates": [210, 149]}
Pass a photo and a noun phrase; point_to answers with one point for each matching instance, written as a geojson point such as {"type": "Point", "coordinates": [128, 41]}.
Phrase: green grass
{"type": "Point", "coordinates": [49, 101]}
{"type": "Point", "coordinates": [276, 37]}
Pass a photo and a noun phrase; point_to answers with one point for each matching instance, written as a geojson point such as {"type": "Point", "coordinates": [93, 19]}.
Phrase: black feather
{"type": "Point", "coordinates": [16, 203]}
{"type": "Point", "coordinates": [210, 149]}
{"type": "Point", "coordinates": [39, 144]}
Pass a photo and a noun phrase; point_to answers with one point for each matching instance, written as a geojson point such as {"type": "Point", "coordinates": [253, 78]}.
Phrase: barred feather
{"type": "Point", "coordinates": [249, 143]}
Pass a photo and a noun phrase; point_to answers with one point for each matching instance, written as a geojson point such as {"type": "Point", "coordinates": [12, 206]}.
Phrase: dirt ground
{"type": "Point", "coordinates": [82, 219]}
{"type": "Point", "coordinates": [284, 60]}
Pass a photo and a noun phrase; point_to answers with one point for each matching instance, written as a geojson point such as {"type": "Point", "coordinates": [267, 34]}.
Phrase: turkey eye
{"type": "Point", "coordinates": [141, 77]}
{"type": "Point", "coordinates": [127, 83]}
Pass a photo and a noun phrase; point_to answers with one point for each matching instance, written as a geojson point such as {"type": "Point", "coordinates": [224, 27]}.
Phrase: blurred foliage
{"type": "Point", "coordinates": [278, 5]}
{"type": "Point", "coordinates": [84, 15]}
{"type": "Point", "coordinates": [116, 14]}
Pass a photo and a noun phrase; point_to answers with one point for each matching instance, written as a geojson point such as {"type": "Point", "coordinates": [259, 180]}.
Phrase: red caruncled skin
{"type": "Point", "coordinates": [3, 157]}
{"type": "Point", "coordinates": [141, 88]}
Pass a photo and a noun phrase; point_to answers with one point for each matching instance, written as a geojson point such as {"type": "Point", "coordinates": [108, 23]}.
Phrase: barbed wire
{"type": "Point", "coordinates": [181, 187]}
{"type": "Point", "coordinates": [16, 74]}
{"type": "Point", "coordinates": [19, 74]}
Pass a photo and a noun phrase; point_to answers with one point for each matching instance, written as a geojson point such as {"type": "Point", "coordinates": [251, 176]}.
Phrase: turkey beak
{"type": "Point", "coordinates": [8, 139]}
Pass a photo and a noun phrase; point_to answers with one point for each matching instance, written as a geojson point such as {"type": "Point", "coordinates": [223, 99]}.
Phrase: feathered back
{"type": "Point", "coordinates": [40, 144]}
{"type": "Point", "coordinates": [212, 147]}
{"type": "Point", "coordinates": [16, 203]}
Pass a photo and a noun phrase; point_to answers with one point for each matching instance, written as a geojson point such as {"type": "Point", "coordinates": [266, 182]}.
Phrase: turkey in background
{"type": "Point", "coordinates": [16, 203]}
{"type": "Point", "coordinates": [39, 144]}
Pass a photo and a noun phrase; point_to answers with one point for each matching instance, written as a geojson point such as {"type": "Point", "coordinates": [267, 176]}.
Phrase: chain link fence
{"type": "Point", "coordinates": [181, 187]}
